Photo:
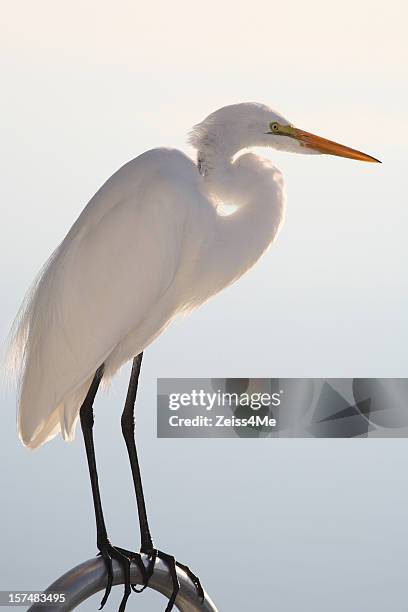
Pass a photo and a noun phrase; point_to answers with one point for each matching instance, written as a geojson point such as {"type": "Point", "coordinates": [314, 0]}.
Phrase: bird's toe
{"type": "Point", "coordinates": [124, 558]}
{"type": "Point", "coordinates": [172, 565]}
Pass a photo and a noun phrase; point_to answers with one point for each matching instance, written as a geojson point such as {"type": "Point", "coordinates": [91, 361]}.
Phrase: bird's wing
{"type": "Point", "coordinates": [116, 263]}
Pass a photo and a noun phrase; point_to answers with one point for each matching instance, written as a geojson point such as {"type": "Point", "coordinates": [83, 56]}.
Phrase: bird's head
{"type": "Point", "coordinates": [249, 124]}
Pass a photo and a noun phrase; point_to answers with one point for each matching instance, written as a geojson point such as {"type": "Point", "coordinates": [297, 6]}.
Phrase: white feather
{"type": "Point", "coordinates": [149, 245]}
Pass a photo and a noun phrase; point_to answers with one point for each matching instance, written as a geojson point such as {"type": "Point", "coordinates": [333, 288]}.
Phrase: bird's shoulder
{"type": "Point", "coordinates": [154, 176]}
{"type": "Point", "coordinates": [155, 172]}
{"type": "Point", "coordinates": [162, 162]}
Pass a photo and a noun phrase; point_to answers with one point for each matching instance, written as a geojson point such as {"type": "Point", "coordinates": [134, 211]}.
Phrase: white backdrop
{"type": "Point", "coordinates": [88, 85]}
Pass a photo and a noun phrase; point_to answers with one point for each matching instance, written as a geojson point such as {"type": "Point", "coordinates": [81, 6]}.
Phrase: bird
{"type": "Point", "coordinates": [154, 242]}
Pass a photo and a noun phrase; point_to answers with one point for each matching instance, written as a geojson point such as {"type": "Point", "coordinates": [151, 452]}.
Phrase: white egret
{"type": "Point", "coordinates": [149, 245]}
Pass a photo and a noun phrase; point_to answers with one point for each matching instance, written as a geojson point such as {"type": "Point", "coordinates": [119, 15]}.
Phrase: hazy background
{"type": "Point", "coordinates": [86, 85]}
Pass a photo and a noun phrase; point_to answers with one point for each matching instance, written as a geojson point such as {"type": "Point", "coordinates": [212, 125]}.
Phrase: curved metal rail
{"type": "Point", "coordinates": [89, 577]}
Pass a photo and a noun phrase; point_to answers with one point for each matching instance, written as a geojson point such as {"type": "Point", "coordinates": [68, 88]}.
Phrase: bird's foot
{"type": "Point", "coordinates": [124, 558]}
{"type": "Point", "coordinates": [172, 564]}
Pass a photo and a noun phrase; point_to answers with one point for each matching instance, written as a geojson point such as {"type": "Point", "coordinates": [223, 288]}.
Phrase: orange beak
{"type": "Point", "coordinates": [329, 147]}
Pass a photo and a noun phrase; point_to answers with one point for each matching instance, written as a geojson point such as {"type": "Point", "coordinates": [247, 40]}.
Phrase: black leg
{"type": "Point", "coordinates": [128, 430]}
{"type": "Point", "coordinates": [87, 423]}
{"type": "Point", "coordinates": [105, 548]}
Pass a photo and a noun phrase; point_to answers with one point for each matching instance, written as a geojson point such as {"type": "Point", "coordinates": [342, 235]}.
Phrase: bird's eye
{"type": "Point", "coordinates": [274, 127]}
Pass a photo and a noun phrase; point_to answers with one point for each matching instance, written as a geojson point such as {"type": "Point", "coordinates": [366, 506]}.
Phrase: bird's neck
{"type": "Point", "coordinates": [214, 159]}
{"type": "Point", "coordinates": [255, 188]}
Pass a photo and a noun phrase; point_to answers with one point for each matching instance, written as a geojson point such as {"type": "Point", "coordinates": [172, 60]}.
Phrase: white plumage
{"type": "Point", "coordinates": [150, 244]}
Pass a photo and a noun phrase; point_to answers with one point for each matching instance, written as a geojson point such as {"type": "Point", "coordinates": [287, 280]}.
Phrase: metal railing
{"type": "Point", "coordinates": [89, 577]}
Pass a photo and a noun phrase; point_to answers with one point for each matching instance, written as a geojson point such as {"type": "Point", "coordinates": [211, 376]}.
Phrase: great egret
{"type": "Point", "coordinates": [150, 244]}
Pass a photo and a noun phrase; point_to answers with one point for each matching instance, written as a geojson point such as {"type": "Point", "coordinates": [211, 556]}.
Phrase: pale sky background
{"type": "Point", "coordinates": [87, 86]}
